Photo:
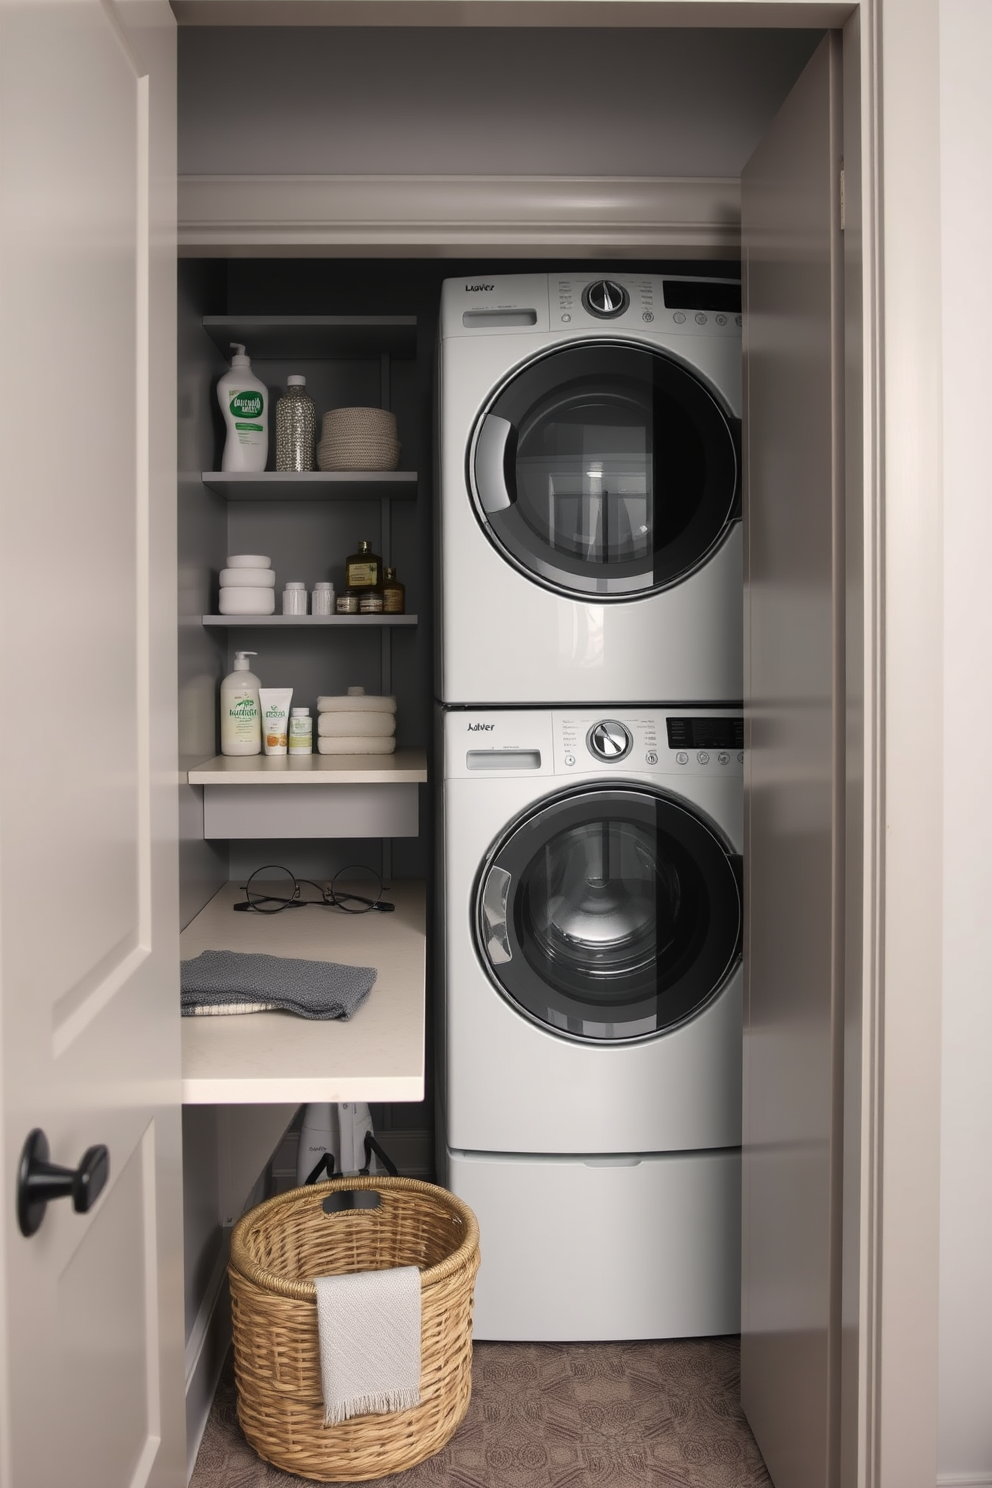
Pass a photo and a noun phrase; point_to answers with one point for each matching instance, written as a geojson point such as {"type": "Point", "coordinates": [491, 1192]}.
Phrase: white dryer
{"type": "Point", "coordinates": [590, 487]}
{"type": "Point", "coordinates": [590, 935]}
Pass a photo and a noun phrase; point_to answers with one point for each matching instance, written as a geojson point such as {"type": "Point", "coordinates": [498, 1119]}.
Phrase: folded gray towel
{"type": "Point", "coordinates": [236, 981]}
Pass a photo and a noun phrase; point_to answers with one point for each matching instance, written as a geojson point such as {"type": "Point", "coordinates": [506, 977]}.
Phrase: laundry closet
{"type": "Point", "coordinates": [363, 327]}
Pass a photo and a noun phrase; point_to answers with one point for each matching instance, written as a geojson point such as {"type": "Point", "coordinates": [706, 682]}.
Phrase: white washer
{"type": "Point", "coordinates": [590, 484]}
{"type": "Point", "coordinates": [590, 939]}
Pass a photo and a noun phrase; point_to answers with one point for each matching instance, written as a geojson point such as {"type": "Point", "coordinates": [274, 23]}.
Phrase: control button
{"type": "Point", "coordinates": [605, 299]}
{"type": "Point", "coordinates": [609, 740]}
{"type": "Point", "coordinates": [650, 758]}
{"type": "Point", "coordinates": [570, 759]}
{"type": "Point", "coordinates": [565, 319]}
{"type": "Point", "coordinates": [740, 758]}
{"type": "Point", "coordinates": [723, 759]}
{"type": "Point", "coordinates": [679, 318]}
{"type": "Point", "coordinates": [682, 757]}
{"type": "Point", "coordinates": [721, 320]}
{"type": "Point", "coordinates": [648, 316]}
{"type": "Point", "coordinates": [700, 318]}
{"type": "Point", "coordinates": [702, 758]}
{"type": "Point", "coordinates": [738, 320]}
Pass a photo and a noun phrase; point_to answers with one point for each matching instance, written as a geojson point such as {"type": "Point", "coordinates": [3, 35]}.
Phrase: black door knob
{"type": "Point", "coordinates": [39, 1181]}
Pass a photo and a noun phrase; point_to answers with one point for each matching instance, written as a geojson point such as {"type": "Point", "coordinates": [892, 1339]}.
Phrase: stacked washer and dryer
{"type": "Point", "coordinates": [591, 735]}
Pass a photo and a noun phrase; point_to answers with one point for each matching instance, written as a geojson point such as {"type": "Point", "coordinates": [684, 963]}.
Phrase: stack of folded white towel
{"type": "Point", "coordinates": [247, 585]}
{"type": "Point", "coordinates": [356, 723]}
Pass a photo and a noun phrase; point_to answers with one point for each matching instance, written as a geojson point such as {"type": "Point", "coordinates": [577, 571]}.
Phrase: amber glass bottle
{"type": "Point", "coordinates": [363, 570]}
{"type": "Point", "coordinates": [393, 594]}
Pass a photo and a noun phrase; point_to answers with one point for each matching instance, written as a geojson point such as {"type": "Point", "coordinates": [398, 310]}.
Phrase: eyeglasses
{"type": "Point", "coordinates": [267, 895]}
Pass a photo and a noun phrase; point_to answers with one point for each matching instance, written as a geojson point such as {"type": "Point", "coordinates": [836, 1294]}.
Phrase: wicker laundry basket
{"type": "Point", "coordinates": [276, 1250]}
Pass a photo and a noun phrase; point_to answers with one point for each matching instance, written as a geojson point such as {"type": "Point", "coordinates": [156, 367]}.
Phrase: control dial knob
{"type": "Point", "coordinates": [609, 740]}
{"type": "Point", "coordinates": [605, 299]}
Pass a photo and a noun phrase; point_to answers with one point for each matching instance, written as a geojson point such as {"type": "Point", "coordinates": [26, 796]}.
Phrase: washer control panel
{"type": "Point", "coordinates": [592, 742]}
{"type": "Point", "coordinates": [697, 742]}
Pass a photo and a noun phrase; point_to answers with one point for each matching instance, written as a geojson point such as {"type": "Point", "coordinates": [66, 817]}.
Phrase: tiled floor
{"type": "Point", "coordinates": [627, 1415]}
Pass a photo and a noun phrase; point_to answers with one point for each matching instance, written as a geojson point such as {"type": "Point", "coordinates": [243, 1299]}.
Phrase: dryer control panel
{"type": "Point", "coordinates": [605, 302]}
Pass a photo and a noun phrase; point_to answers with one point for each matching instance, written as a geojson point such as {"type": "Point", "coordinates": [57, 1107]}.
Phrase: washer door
{"type": "Point", "coordinates": [606, 469]}
{"type": "Point", "coordinates": [610, 914]}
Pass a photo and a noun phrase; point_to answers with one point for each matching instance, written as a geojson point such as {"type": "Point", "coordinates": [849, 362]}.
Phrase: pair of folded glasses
{"type": "Point", "coordinates": [274, 888]}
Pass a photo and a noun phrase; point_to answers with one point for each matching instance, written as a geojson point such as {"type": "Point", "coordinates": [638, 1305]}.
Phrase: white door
{"type": "Point", "coordinates": [91, 1377]}
{"type": "Point", "coordinates": [794, 695]}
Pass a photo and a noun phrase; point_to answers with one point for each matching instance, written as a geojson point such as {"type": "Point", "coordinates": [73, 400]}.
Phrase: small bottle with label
{"type": "Point", "coordinates": [300, 731]}
{"type": "Point", "coordinates": [347, 602]}
{"type": "Point", "coordinates": [393, 594]}
{"type": "Point", "coordinates": [370, 602]}
{"type": "Point", "coordinates": [363, 570]}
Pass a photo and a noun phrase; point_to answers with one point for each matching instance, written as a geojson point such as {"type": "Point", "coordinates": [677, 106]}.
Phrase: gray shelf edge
{"type": "Point", "coordinates": [313, 621]}
{"type": "Point", "coordinates": [319, 485]}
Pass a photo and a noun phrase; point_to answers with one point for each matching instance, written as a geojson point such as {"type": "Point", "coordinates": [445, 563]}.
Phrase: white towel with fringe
{"type": "Point", "coordinates": [356, 701]}
{"type": "Point", "coordinates": [368, 1329]}
{"type": "Point", "coordinates": [367, 725]}
{"type": "Point", "coordinates": [355, 744]}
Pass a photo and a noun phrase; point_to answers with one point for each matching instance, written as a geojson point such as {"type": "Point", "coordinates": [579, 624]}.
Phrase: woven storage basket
{"type": "Point", "coordinates": [276, 1250]}
{"type": "Point", "coordinates": [358, 453]}
{"type": "Point", "coordinates": [359, 421]}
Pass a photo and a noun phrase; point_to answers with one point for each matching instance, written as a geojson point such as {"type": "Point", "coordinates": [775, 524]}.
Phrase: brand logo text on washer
{"type": "Point", "coordinates": [474, 288]}
{"type": "Point", "coordinates": [480, 728]}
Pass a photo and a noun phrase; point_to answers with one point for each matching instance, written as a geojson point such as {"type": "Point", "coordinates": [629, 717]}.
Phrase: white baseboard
{"type": "Point", "coordinates": [206, 1350]}
{"type": "Point", "coordinates": [964, 1480]}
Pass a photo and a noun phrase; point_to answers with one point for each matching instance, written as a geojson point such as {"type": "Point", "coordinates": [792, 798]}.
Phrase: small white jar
{"type": "Point", "coordinates": [322, 599]}
{"type": "Point", "coordinates": [300, 731]}
{"type": "Point", "coordinates": [294, 598]}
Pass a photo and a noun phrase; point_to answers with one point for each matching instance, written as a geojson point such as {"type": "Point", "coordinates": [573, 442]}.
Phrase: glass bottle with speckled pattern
{"type": "Point", "coordinates": [296, 427]}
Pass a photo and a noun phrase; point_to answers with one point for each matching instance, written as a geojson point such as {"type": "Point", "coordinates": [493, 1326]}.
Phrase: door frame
{"type": "Point", "coordinates": [894, 599]}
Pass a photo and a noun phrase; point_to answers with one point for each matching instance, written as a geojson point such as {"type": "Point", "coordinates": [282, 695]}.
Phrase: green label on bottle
{"type": "Point", "coordinates": [247, 405]}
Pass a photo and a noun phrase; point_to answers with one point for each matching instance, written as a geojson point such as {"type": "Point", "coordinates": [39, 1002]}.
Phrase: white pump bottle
{"type": "Point", "coordinates": [240, 713]}
{"type": "Point", "coordinates": [244, 402]}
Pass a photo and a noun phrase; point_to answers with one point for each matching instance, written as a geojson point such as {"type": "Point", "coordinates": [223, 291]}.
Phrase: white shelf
{"type": "Point", "coordinates": [405, 767]}
{"type": "Point", "coordinates": [305, 620]}
{"type": "Point", "coordinates": [311, 485]}
{"type": "Point", "coordinates": [263, 1058]}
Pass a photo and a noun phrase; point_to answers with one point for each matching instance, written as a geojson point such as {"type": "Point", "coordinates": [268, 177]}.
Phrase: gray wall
{"type": "Point", "coordinates": [343, 101]}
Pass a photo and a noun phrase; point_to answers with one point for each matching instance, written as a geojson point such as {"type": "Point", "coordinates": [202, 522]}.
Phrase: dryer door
{"type": "Point", "coordinates": [606, 469]}
{"type": "Point", "coordinates": [610, 914]}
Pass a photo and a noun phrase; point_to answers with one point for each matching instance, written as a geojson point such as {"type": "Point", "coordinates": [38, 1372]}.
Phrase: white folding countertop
{"type": "Point", "coordinates": [378, 1055]}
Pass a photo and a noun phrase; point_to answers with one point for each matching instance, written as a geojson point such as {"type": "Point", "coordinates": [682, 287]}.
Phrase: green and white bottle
{"type": "Point", "coordinates": [240, 713]}
{"type": "Point", "coordinates": [244, 402]}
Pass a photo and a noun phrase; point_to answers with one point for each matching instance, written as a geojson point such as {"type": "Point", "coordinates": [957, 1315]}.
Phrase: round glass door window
{"type": "Point", "coordinates": [606, 469]}
{"type": "Point", "coordinates": [610, 914]}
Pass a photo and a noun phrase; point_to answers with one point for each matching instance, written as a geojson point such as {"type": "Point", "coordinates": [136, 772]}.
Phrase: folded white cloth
{"type": "Point", "coordinates": [368, 1330]}
{"type": "Point", "coordinates": [356, 744]}
{"type": "Point", "coordinates": [368, 725]}
{"type": "Point", "coordinates": [247, 578]}
{"type": "Point", "coordinates": [247, 601]}
{"type": "Point", "coordinates": [356, 703]}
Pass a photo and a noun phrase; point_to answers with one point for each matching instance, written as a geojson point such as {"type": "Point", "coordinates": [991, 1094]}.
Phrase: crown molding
{"type": "Point", "coordinates": [818, 14]}
{"type": "Point", "coordinates": [438, 215]}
